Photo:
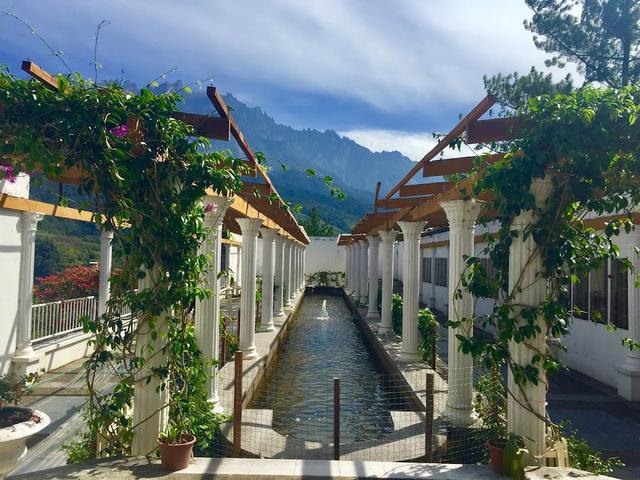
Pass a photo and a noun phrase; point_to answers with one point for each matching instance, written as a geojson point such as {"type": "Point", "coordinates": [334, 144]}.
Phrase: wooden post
{"type": "Point", "coordinates": [428, 418]}
{"type": "Point", "coordinates": [336, 418]}
{"type": "Point", "coordinates": [237, 406]}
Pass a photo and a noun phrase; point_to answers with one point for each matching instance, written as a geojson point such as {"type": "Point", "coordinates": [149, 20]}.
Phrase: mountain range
{"type": "Point", "coordinates": [353, 168]}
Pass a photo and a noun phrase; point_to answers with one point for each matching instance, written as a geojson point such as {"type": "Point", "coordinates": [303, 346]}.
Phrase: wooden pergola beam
{"type": "Point", "coordinates": [451, 166]}
{"type": "Point", "coordinates": [494, 130]}
{"type": "Point", "coordinates": [424, 189]}
{"type": "Point", "coordinates": [401, 202]}
{"type": "Point", "coordinates": [370, 221]}
{"type": "Point", "coordinates": [207, 126]}
{"type": "Point", "coordinates": [458, 130]}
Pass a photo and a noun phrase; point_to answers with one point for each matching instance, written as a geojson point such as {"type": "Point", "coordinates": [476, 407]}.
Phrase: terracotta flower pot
{"type": "Point", "coordinates": [176, 456]}
{"type": "Point", "coordinates": [13, 438]}
{"type": "Point", "coordinates": [496, 455]}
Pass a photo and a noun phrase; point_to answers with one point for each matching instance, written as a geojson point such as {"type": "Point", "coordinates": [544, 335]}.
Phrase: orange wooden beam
{"type": "Point", "coordinates": [451, 166]}
{"type": "Point", "coordinates": [472, 116]}
{"type": "Point", "coordinates": [424, 189]}
{"type": "Point", "coordinates": [494, 130]}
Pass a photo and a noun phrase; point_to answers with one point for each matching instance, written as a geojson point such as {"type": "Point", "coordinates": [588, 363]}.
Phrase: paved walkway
{"type": "Point", "coordinates": [246, 468]}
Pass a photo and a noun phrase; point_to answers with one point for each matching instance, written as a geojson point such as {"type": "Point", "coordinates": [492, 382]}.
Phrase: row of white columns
{"type": "Point", "coordinates": [282, 280]}
{"type": "Point", "coordinates": [362, 256]}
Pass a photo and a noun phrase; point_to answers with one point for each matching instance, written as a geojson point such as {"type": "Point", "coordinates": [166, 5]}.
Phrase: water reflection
{"type": "Point", "coordinates": [323, 342]}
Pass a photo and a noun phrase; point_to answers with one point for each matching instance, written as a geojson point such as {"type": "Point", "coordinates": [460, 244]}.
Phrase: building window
{"type": "Point", "coordinates": [442, 272]}
{"type": "Point", "coordinates": [619, 295]}
{"type": "Point", "coordinates": [426, 270]}
{"type": "Point", "coordinates": [602, 296]}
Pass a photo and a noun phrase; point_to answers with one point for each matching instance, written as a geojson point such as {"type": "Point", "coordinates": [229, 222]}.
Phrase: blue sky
{"type": "Point", "coordinates": [384, 72]}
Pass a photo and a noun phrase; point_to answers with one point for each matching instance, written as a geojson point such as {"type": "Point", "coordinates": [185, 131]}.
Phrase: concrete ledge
{"type": "Point", "coordinates": [260, 469]}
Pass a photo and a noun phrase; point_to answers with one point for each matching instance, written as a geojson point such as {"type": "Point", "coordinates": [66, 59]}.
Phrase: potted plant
{"type": "Point", "coordinates": [491, 407]}
{"type": "Point", "coordinates": [176, 447]}
{"type": "Point", "coordinates": [17, 424]}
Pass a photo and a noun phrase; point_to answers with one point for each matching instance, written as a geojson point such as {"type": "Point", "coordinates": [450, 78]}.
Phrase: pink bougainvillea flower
{"type": "Point", "coordinates": [7, 172]}
{"type": "Point", "coordinates": [210, 207]}
{"type": "Point", "coordinates": [120, 131]}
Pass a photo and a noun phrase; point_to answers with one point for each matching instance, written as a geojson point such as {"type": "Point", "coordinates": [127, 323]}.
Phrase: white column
{"type": "Point", "coordinates": [363, 277]}
{"type": "Point", "coordinates": [278, 308]}
{"type": "Point", "coordinates": [295, 266]}
{"type": "Point", "coordinates": [150, 401]}
{"type": "Point", "coordinates": [528, 289]}
{"type": "Point", "coordinates": [388, 238]}
{"type": "Point", "coordinates": [462, 215]}
{"type": "Point", "coordinates": [28, 224]}
{"type": "Point", "coordinates": [372, 311]}
{"type": "Point", "coordinates": [268, 242]}
{"type": "Point", "coordinates": [347, 269]}
{"type": "Point", "coordinates": [292, 271]}
{"type": "Point", "coordinates": [410, 289]}
{"type": "Point", "coordinates": [629, 371]}
{"type": "Point", "coordinates": [249, 228]}
{"type": "Point", "coordinates": [287, 273]}
{"type": "Point", "coordinates": [106, 256]}
{"type": "Point", "coordinates": [357, 257]}
{"type": "Point", "coordinates": [304, 265]}
{"type": "Point", "coordinates": [207, 311]}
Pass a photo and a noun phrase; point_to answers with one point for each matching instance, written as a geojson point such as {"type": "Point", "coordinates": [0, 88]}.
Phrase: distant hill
{"type": "Point", "coordinates": [354, 168]}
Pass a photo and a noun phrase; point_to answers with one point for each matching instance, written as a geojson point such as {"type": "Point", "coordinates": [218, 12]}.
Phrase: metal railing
{"type": "Point", "coordinates": [57, 318]}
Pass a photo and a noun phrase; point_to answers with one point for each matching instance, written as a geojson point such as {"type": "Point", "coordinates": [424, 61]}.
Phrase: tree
{"type": "Point", "coordinates": [316, 227]}
{"type": "Point", "coordinates": [47, 258]}
{"type": "Point", "coordinates": [601, 36]}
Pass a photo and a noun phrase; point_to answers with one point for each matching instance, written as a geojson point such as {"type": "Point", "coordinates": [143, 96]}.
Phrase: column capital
{"type": "Point", "coordinates": [279, 239]}
{"type": "Point", "coordinates": [29, 221]}
{"type": "Point", "coordinates": [462, 214]}
{"type": "Point", "coordinates": [412, 229]}
{"type": "Point", "coordinates": [363, 242]}
{"type": "Point", "coordinates": [268, 233]}
{"type": "Point", "coordinates": [249, 226]}
{"type": "Point", "coordinates": [373, 240]}
{"type": "Point", "coordinates": [215, 206]}
{"type": "Point", "coordinates": [106, 235]}
{"type": "Point", "coordinates": [388, 236]}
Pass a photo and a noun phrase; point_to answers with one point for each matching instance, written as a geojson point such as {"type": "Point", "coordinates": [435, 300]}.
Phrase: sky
{"type": "Point", "coordinates": [386, 73]}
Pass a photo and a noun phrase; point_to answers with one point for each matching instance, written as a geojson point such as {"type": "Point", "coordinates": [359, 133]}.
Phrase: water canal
{"type": "Point", "coordinates": [323, 342]}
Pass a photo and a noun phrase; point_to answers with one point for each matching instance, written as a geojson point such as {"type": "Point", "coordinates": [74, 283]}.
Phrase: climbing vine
{"type": "Point", "coordinates": [587, 144]}
{"type": "Point", "coordinates": [146, 174]}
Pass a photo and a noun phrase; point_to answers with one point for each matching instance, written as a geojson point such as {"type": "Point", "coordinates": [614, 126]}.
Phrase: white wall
{"type": "Point", "coordinates": [10, 247]}
{"type": "Point", "coordinates": [324, 255]}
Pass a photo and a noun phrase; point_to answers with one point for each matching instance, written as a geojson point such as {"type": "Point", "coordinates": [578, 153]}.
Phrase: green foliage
{"type": "Point", "coordinates": [583, 457]}
{"type": "Point", "coordinates": [601, 36]}
{"type": "Point", "coordinates": [325, 279]}
{"type": "Point", "coordinates": [80, 449]}
{"type": "Point", "coordinates": [13, 387]}
{"type": "Point", "coordinates": [396, 313]}
{"type": "Point", "coordinates": [586, 145]}
{"type": "Point", "coordinates": [316, 227]}
{"type": "Point", "coordinates": [514, 90]}
{"type": "Point", "coordinates": [145, 171]}
{"type": "Point", "coordinates": [47, 258]}
{"type": "Point", "coordinates": [491, 405]}
{"type": "Point", "coordinates": [428, 329]}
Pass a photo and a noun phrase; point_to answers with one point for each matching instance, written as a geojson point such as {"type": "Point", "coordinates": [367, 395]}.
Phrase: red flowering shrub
{"type": "Point", "coordinates": [73, 282]}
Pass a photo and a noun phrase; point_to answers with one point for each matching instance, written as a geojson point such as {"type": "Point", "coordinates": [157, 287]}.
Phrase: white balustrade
{"type": "Point", "coordinates": [64, 316]}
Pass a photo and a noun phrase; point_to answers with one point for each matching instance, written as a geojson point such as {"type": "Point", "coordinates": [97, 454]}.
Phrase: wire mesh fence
{"type": "Point", "coordinates": [381, 417]}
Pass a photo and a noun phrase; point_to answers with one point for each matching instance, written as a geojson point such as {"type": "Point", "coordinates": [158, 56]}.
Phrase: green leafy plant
{"type": "Point", "coordinates": [396, 313]}
{"type": "Point", "coordinates": [583, 457]}
{"type": "Point", "coordinates": [146, 174]}
{"type": "Point", "coordinates": [14, 387]}
{"type": "Point", "coordinates": [428, 326]}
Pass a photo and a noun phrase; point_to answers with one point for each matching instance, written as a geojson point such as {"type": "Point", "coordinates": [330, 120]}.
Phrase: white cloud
{"type": "Point", "coordinates": [412, 145]}
{"type": "Point", "coordinates": [405, 55]}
